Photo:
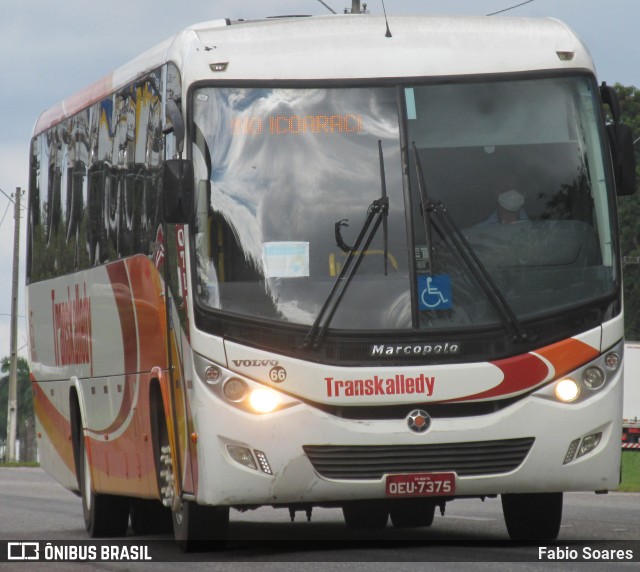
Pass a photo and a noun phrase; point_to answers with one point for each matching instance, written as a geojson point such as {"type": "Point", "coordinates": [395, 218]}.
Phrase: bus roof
{"type": "Point", "coordinates": [348, 47]}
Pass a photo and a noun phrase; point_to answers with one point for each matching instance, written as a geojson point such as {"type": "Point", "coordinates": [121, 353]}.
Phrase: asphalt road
{"type": "Point", "coordinates": [472, 533]}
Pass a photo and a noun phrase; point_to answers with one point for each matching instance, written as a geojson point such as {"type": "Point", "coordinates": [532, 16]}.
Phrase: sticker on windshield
{"type": "Point", "coordinates": [434, 292]}
{"type": "Point", "coordinates": [286, 259]}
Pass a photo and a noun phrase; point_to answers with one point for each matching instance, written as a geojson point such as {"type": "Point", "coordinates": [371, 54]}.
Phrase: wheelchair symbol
{"type": "Point", "coordinates": [435, 292]}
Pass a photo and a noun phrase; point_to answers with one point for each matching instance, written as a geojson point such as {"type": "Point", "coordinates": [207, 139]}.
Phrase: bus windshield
{"type": "Point", "coordinates": [285, 178]}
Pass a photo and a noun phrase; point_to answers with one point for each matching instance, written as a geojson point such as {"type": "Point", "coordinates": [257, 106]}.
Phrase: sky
{"type": "Point", "coordinates": [49, 50]}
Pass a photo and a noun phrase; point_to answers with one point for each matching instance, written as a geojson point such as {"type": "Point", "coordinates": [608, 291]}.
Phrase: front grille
{"type": "Point", "coordinates": [373, 461]}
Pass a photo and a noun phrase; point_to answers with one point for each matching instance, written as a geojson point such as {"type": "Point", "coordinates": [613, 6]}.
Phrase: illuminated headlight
{"type": "Point", "coordinates": [589, 443]}
{"type": "Point", "coordinates": [249, 395]}
{"type": "Point", "coordinates": [593, 378]}
{"type": "Point", "coordinates": [567, 390]}
{"type": "Point", "coordinates": [263, 400]}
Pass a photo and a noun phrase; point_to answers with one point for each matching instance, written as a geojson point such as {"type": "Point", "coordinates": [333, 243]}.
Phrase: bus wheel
{"type": "Point", "coordinates": [533, 516]}
{"type": "Point", "coordinates": [161, 449]}
{"type": "Point", "coordinates": [412, 513]}
{"type": "Point", "coordinates": [371, 514]}
{"type": "Point", "coordinates": [195, 527]}
{"type": "Point", "coordinates": [149, 516]}
{"type": "Point", "coordinates": [200, 528]}
{"type": "Point", "coordinates": [104, 515]}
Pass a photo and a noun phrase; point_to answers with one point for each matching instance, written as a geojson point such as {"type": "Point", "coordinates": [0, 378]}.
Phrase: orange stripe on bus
{"type": "Point", "coordinates": [568, 355]}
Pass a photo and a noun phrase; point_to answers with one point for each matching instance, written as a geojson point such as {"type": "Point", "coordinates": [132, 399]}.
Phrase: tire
{"type": "Point", "coordinates": [149, 516]}
{"type": "Point", "coordinates": [195, 527]}
{"type": "Point", "coordinates": [412, 513]}
{"type": "Point", "coordinates": [104, 515]}
{"type": "Point", "coordinates": [533, 516]}
{"type": "Point", "coordinates": [366, 515]}
{"type": "Point", "coordinates": [198, 528]}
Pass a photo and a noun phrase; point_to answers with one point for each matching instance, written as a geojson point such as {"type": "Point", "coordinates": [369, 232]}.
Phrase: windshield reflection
{"type": "Point", "coordinates": [285, 177]}
{"type": "Point", "coordinates": [286, 165]}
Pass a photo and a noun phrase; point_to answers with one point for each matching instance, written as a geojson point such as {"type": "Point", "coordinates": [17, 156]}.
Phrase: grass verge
{"type": "Point", "coordinates": [630, 472]}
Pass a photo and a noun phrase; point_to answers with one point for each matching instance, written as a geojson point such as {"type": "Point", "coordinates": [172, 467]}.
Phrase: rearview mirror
{"type": "Point", "coordinates": [610, 98]}
{"type": "Point", "coordinates": [177, 191]}
{"type": "Point", "coordinates": [621, 144]}
{"type": "Point", "coordinates": [623, 157]}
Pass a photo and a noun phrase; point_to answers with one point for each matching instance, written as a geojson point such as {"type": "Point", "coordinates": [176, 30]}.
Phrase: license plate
{"type": "Point", "coordinates": [421, 485]}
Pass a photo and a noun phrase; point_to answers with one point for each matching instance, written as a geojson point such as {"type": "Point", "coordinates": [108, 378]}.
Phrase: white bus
{"type": "Point", "coordinates": [269, 264]}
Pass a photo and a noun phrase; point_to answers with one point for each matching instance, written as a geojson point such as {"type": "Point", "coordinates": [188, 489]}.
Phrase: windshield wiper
{"type": "Point", "coordinates": [424, 202]}
{"type": "Point", "coordinates": [377, 213]}
{"type": "Point", "coordinates": [446, 226]}
{"type": "Point", "coordinates": [385, 218]}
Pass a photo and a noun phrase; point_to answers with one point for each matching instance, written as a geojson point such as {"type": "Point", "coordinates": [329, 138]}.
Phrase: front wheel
{"type": "Point", "coordinates": [532, 516]}
{"type": "Point", "coordinates": [371, 514]}
{"type": "Point", "coordinates": [412, 513]}
{"type": "Point", "coordinates": [201, 528]}
{"type": "Point", "coordinates": [195, 527]}
{"type": "Point", "coordinates": [149, 517]}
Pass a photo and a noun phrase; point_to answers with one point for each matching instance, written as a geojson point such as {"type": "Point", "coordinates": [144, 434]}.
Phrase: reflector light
{"type": "Point", "coordinates": [571, 451]}
{"type": "Point", "coordinates": [565, 56]}
{"type": "Point", "coordinates": [219, 67]}
{"type": "Point", "coordinates": [567, 390]}
{"type": "Point", "coordinates": [264, 464]}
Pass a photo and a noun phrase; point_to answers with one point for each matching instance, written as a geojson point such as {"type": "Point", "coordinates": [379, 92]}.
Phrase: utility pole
{"type": "Point", "coordinates": [12, 411]}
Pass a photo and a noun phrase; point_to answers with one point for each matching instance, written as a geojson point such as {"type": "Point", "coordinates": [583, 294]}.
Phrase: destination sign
{"type": "Point", "coordinates": [297, 124]}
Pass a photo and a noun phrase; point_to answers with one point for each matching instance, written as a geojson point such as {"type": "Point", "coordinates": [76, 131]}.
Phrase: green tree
{"type": "Point", "coordinates": [629, 216]}
{"type": "Point", "coordinates": [25, 426]}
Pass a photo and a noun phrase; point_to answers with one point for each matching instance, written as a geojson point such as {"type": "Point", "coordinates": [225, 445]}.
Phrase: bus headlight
{"type": "Point", "coordinates": [581, 446]}
{"type": "Point", "coordinates": [589, 443]}
{"type": "Point", "coordinates": [593, 378]}
{"type": "Point", "coordinates": [234, 389]}
{"type": "Point", "coordinates": [242, 455]}
{"type": "Point", "coordinates": [567, 390]}
{"type": "Point", "coordinates": [212, 374]}
{"type": "Point", "coordinates": [245, 456]}
{"type": "Point", "coordinates": [612, 361]}
{"type": "Point", "coordinates": [264, 400]}
{"type": "Point", "coordinates": [586, 382]}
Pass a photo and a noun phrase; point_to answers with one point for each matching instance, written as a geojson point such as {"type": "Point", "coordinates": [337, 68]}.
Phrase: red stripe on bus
{"type": "Point", "coordinates": [72, 105]}
{"type": "Point", "coordinates": [527, 371]}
